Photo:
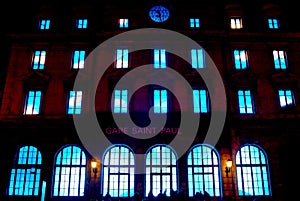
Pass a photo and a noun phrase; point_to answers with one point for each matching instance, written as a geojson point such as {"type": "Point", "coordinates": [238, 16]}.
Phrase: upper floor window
{"type": "Point", "coordinates": [81, 23]}
{"type": "Point", "coordinates": [197, 56]}
{"type": "Point", "coordinates": [69, 172]}
{"type": "Point", "coordinates": [78, 59]}
{"type": "Point", "coordinates": [26, 172]}
{"type": "Point", "coordinates": [252, 171]}
{"type": "Point", "coordinates": [286, 98]}
{"type": "Point", "coordinates": [280, 59]}
{"type": "Point", "coordinates": [39, 58]}
{"type": "Point", "coordinates": [32, 102]}
{"type": "Point", "coordinates": [236, 23]}
{"type": "Point", "coordinates": [44, 24]}
{"type": "Point", "coordinates": [245, 102]}
{"type": "Point", "coordinates": [240, 59]}
{"type": "Point", "coordinates": [122, 58]}
{"type": "Point", "coordinates": [120, 102]}
{"type": "Point", "coordinates": [194, 22]}
{"type": "Point", "coordinates": [273, 23]}
{"type": "Point", "coordinates": [74, 102]}
{"type": "Point", "coordinates": [123, 23]}
{"type": "Point", "coordinates": [160, 101]}
{"type": "Point", "coordinates": [160, 58]}
{"type": "Point", "coordinates": [200, 101]}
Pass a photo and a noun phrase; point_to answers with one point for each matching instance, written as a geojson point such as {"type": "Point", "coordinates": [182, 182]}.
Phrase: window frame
{"type": "Point", "coordinates": [241, 59]}
{"type": "Point", "coordinates": [27, 100]}
{"type": "Point", "coordinates": [81, 23]}
{"type": "Point", "coordinates": [122, 57]}
{"type": "Point", "coordinates": [244, 105]}
{"type": "Point", "coordinates": [292, 94]}
{"type": "Point", "coordinates": [38, 60]}
{"type": "Point", "coordinates": [77, 61]}
{"type": "Point", "coordinates": [194, 23]}
{"type": "Point", "coordinates": [280, 59]}
{"type": "Point", "coordinates": [123, 23]}
{"type": "Point", "coordinates": [273, 23]}
{"type": "Point", "coordinates": [75, 106]}
{"type": "Point", "coordinates": [44, 24]}
{"type": "Point", "coordinates": [236, 23]}
{"type": "Point", "coordinates": [159, 58]}
{"type": "Point", "coordinates": [207, 101]}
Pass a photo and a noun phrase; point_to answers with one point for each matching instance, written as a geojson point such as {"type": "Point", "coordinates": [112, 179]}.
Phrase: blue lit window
{"type": "Point", "coordinates": [252, 171]}
{"type": "Point", "coordinates": [123, 23]}
{"type": "Point", "coordinates": [286, 98]}
{"type": "Point", "coordinates": [194, 23]}
{"type": "Point", "coordinates": [74, 102]}
{"type": "Point", "coordinates": [161, 170]}
{"type": "Point", "coordinates": [32, 102]}
{"type": "Point", "coordinates": [200, 101]}
{"type": "Point", "coordinates": [44, 24]}
{"type": "Point", "coordinates": [120, 101]}
{"type": "Point", "coordinates": [118, 172]}
{"type": "Point", "coordinates": [245, 102]}
{"type": "Point", "coordinates": [273, 23]}
{"type": "Point", "coordinates": [38, 61]}
{"type": "Point", "coordinates": [203, 171]}
{"type": "Point", "coordinates": [160, 58]}
{"type": "Point", "coordinates": [69, 172]}
{"type": "Point", "coordinates": [197, 56]}
{"type": "Point", "coordinates": [280, 59]}
{"type": "Point", "coordinates": [160, 101]}
{"type": "Point", "coordinates": [78, 59]}
{"type": "Point", "coordinates": [81, 23]}
{"type": "Point", "coordinates": [240, 59]}
{"type": "Point", "coordinates": [26, 174]}
{"type": "Point", "coordinates": [122, 58]}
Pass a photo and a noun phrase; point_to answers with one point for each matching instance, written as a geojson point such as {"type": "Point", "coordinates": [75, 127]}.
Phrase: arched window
{"type": "Point", "coordinates": [26, 173]}
{"type": "Point", "coordinates": [69, 172]}
{"type": "Point", "coordinates": [204, 171]}
{"type": "Point", "coordinates": [252, 171]}
{"type": "Point", "coordinates": [161, 170]}
{"type": "Point", "coordinates": [118, 172]}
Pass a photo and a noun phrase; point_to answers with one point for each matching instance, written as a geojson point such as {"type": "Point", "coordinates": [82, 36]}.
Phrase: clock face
{"type": "Point", "coordinates": [159, 13]}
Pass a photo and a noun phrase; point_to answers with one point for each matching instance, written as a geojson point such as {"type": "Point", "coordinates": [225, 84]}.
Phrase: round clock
{"type": "Point", "coordinates": [159, 13]}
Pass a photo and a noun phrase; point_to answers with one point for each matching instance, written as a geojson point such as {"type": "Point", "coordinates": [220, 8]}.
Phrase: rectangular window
{"type": "Point", "coordinates": [120, 101]}
{"type": "Point", "coordinates": [200, 101]}
{"type": "Point", "coordinates": [280, 59]}
{"type": "Point", "coordinates": [78, 59]}
{"type": "Point", "coordinates": [160, 101]}
{"type": "Point", "coordinates": [32, 102]}
{"type": "Point", "coordinates": [286, 98]}
{"type": "Point", "coordinates": [123, 23]}
{"type": "Point", "coordinates": [81, 23]}
{"type": "Point", "coordinates": [236, 23]}
{"type": "Point", "coordinates": [122, 58]}
{"type": "Point", "coordinates": [240, 59]}
{"type": "Point", "coordinates": [74, 102]}
{"type": "Point", "coordinates": [160, 58]}
{"type": "Point", "coordinates": [39, 60]}
{"type": "Point", "coordinates": [197, 56]}
{"type": "Point", "coordinates": [194, 23]}
{"type": "Point", "coordinates": [273, 23]}
{"type": "Point", "coordinates": [245, 102]}
{"type": "Point", "coordinates": [44, 24]}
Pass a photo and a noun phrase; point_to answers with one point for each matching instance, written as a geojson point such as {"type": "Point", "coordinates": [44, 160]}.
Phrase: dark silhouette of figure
{"type": "Point", "coordinates": [107, 197]}
{"type": "Point", "coordinates": [199, 196]}
{"type": "Point", "coordinates": [137, 197]}
{"type": "Point", "coordinates": [150, 196]}
{"type": "Point", "coordinates": [207, 196]}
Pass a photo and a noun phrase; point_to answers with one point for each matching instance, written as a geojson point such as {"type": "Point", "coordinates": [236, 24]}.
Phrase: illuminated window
{"type": "Point", "coordinates": [161, 170]}
{"type": "Point", "coordinates": [69, 172]}
{"type": "Point", "coordinates": [122, 58]}
{"type": "Point", "coordinates": [32, 102]}
{"type": "Point", "coordinates": [78, 59]}
{"type": "Point", "coordinates": [252, 171]}
{"type": "Point", "coordinates": [120, 101]}
{"type": "Point", "coordinates": [200, 101]}
{"type": "Point", "coordinates": [280, 59]}
{"type": "Point", "coordinates": [123, 23]}
{"type": "Point", "coordinates": [44, 24]}
{"type": "Point", "coordinates": [197, 56]}
{"type": "Point", "coordinates": [236, 23]}
{"type": "Point", "coordinates": [160, 58]}
{"type": "Point", "coordinates": [203, 171]}
{"type": "Point", "coordinates": [160, 101]}
{"type": "Point", "coordinates": [245, 102]}
{"type": "Point", "coordinates": [118, 172]}
{"type": "Point", "coordinates": [81, 23]}
{"type": "Point", "coordinates": [240, 59]}
{"type": "Point", "coordinates": [273, 23]}
{"type": "Point", "coordinates": [194, 23]}
{"type": "Point", "coordinates": [286, 98]}
{"type": "Point", "coordinates": [38, 61]}
{"type": "Point", "coordinates": [26, 172]}
{"type": "Point", "coordinates": [74, 102]}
